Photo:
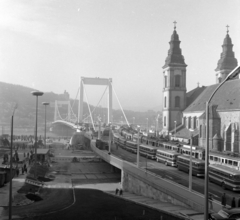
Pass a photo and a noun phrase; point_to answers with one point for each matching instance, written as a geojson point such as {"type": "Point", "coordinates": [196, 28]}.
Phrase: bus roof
{"type": "Point", "coordinates": [147, 146]}
{"type": "Point", "coordinates": [224, 168]}
{"type": "Point", "coordinates": [224, 156]}
{"type": "Point", "coordinates": [193, 159]}
{"type": "Point", "coordinates": [168, 151]}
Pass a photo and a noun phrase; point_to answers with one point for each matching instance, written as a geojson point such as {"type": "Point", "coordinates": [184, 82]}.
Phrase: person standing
{"type": "Point", "coordinates": [224, 200]}
{"type": "Point", "coordinates": [116, 192]}
{"type": "Point", "coordinates": [210, 200]}
{"type": "Point", "coordinates": [233, 204]}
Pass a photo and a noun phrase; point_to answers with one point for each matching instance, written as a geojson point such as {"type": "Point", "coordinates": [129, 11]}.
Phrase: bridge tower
{"type": "Point", "coordinates": [99, 82]}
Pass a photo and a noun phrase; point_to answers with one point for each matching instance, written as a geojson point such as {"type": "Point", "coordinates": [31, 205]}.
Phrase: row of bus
{"type": "Point", "coordinates": [223, 169]}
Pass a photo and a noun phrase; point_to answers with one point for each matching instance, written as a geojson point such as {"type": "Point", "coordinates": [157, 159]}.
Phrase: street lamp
{"type": "Point", "coordinates": [45, 131]}
{"type": "Point", "coordinates": [10, 185]}
{"type": "Point", "coordinates": [230, 76]}
{"type": "Point", "coordinates": [36, 93]}
{"type": "Point", "coordinates": [190, 165]}
{"type": "Point", "coordinates": [175, 122]}
{"type": "Point", "coordinates": [138, 143]}
{"type": "Point", "coordinates": [157, 126]}
{"type": "Point", "coordinates": [147, 126]}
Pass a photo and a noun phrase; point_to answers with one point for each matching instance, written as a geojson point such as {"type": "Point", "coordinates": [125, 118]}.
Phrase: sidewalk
{"type": "Point", "coordinates": [17, 183]}
{"type": "Point", "coordinates": [165, 207]}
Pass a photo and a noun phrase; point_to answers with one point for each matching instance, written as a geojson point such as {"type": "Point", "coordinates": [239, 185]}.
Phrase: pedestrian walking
{"type": "Point", "coordinates": [210, 200]}
{"type": "Point", "coordinates": [116, 192]}
{"type": "Point", "coordinates": [233, 204]}
{"type": "Point", "coordinates": [224, 200]}
{"type": "Point", "coordinates": [120, 192]}
{"type": "Point", "coordinates": [17, 171]}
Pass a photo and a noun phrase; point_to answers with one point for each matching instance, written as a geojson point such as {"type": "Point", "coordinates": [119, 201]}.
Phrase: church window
{"type": "Point", "coordinates": [165, 101]}
{"type": "Point", "coordinates": [165, 121]}
{"type": "Point", "coordinates": [177, 101]}
{"type": "Point", "coordinates": [177, 80]}
{"type": "Point", "coordinates": [165, 79]}
{"type": "Point", "coordinates": [189, 122]}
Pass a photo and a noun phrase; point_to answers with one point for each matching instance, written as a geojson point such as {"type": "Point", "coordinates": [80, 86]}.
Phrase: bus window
{"type": "Point", "coordinates": [222, 160]}
{"type": "Point", "coordinates": [226, 161]}
{"type": "Point", "coordinates": [230, 162]}
{"type": "Point", "coordinates": [211, 158]}
{"type": "Point", "coordinates": [235, 163]}
{"type": "Point", "coordinates": [215, 158]}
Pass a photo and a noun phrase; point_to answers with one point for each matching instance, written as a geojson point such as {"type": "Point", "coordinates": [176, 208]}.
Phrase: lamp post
{"type": "Point", "coordinates": [138, 143]}
{"type": "Point", "coordinates": [10, 185]}
{"type": "Point", "coordinates": [190, 166]}
{"type": "Point", "coordinates": [147, 126]}
{"type": "Point", "coordinates": [45, 130]}
{"type": "Point", "coordinates": [175, 122]}
{"type": "Point", "coordinates": [157, 133]}
{"type": "Point", "coordinates": [110, 139]}
{"type": "Point", "coordinates": [36, 93]}
{"type": "Point", "coordinates": [230, 76]}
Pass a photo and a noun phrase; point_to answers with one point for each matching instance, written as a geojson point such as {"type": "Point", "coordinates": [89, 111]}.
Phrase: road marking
{"type": "Point", "coordinates": [169, 177]}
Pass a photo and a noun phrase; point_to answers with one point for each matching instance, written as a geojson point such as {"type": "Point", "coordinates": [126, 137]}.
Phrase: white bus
{"type": "Point", "coordinates": [228, 178]}
{"type": "Point", "coordinates": [148, 151]}
{"type": "Point", "coordinates": [168, 157]}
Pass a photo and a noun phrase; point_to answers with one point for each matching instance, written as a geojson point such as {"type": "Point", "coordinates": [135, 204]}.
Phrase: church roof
{"type": "Point", "coordinates": [186, 133]}
{"type": "Point", "coordinates": [175, 57]}
{"type": "Point", "coordinates": [226, 98]}
{"type": "Point", "coordinates": [227, 59]}
{"type": "Point", "coordinates": [193, 94]}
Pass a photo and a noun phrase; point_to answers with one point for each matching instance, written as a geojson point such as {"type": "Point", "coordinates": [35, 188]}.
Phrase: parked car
{"type": "Point", "coordinates": [226, 214]}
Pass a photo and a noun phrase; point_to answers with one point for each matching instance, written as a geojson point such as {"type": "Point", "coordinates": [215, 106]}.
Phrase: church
{"type": "Point", "coordinates": [183, 112]}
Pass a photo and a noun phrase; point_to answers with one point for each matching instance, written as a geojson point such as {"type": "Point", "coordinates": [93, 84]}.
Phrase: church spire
{"type": "Point", "coordinates": [227, 61]}
{"type": "Point", "coordinates": [175, 57]}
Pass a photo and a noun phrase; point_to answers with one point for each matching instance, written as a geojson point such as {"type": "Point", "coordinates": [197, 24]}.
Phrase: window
{"type": "Point", "coordinates": [165, 79]}
{"type": "Point", "coordinates": [200, 131]}
{"type": "Point", "coordinates": [165, 101]}
{"type": "Point", "coordinates": [177, 80]}
{"type": "Point", "coordinates": [177, 101]}
{"type": "Point", "coordinates": [189, 122]}
{"type": "Point", "coordinates": [165, 120]}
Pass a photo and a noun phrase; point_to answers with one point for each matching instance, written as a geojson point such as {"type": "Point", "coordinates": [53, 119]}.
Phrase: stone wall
{"type": "Point", "coordinates": [135, 185]}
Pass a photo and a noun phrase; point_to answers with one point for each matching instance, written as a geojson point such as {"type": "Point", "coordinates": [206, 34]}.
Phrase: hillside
{"type": "Point", "coordinates": [26, 110]}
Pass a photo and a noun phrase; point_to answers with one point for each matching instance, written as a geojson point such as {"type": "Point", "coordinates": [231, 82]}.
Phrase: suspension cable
{"type": "Point", "coordinates": [75, 98]}
{"type": "Point", "coordinates": [88, 105]}
{"type": "Point", "coordinates": [120, 105]}
{"type": "Point", "coordinates": [98, 102]}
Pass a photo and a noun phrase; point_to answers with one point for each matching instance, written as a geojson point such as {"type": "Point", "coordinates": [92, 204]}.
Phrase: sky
{"type": "Point", "coordinates": [49, 44]}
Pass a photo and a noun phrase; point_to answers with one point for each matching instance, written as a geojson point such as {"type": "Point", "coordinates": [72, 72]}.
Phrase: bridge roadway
{"type": "Point", "coordinates": [191, 199]}
{"type": "Point", "coordinates": [173, 174]}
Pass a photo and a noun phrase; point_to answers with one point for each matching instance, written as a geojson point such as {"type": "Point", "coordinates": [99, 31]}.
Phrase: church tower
{"type": "Point", "coordinates": [174, 85]}
{"type": "Point", "coordinates": [227, 60]}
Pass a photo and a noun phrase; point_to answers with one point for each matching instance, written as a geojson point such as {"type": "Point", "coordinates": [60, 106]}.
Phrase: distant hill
{"type": "Point", "coordinates": [26, 110]}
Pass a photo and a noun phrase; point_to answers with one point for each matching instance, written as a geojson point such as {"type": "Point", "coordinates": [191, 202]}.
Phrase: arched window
{"type": "Point", "coordinates": [165, 101]}
{"type": "Point", "coordinates": [177, 80]}
{"type": "Point", "coordinates": [165, 80]}
{"type": "Point", "coordinates": [177, 101]}
{"type": "Point", "coordinates": [189, 122]}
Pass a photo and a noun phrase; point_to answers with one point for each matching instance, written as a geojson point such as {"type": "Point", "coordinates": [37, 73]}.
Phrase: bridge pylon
{"type": "Point", "coordinates": [95, 81]}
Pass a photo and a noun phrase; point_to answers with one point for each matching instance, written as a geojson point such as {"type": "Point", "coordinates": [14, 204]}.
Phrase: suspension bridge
{"type": "Point", "coordinates": [74, 121]}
